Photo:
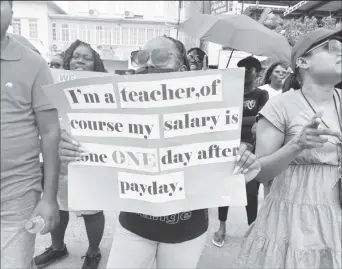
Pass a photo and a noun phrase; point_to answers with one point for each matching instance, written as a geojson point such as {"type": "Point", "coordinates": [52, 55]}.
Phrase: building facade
{"type": "Point", "coordinates": [31, 20]}
{"type": "Point", "coordinates": [113, 28]}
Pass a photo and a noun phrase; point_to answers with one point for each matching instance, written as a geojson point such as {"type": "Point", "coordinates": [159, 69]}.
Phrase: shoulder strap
{"type": "Point", "coordinates": [339, 104]}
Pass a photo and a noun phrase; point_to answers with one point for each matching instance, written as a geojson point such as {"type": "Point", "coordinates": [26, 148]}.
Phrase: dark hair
{"type": "Point", "coordinates": [182, 50]}
{"type": "Point", "coordinates": [201, 53]}
{"type": "Point", "coordinates": [270, 70]}
{"type": "Point", "coordinates": [291, 82]}
{"type": "Point", "coordinates": [98, 63]}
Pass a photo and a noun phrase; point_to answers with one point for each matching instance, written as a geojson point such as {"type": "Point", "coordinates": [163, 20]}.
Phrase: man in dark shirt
{"type": "Point", "coordinates": [254, 98]}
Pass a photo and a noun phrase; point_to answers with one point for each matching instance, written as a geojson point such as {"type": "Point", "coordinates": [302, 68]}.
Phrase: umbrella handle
{"type": "Point", "coordinates": [231, 54]}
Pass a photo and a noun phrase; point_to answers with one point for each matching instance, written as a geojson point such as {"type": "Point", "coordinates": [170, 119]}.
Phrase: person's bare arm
{"type": "Point", "coordinates": [273, 157]}
{"type": "Point", "coordinates": [49, 130]}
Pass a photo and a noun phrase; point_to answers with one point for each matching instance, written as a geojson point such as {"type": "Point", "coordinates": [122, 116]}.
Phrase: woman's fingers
{"type": "Point", "coordinates": [319, 132]}
{"type": "Point", "coordinates": [248, 163]}
{"type": "Point", "coordinates": [240, 164]}
{"type": "Point", "coordinates": [69, 153]}
{"type": "Point", "coordinates": [241, 150]}
{"type": "Point", "coordinates": [252, 172]}
{"type": "Point", "coordinates": [316, 139]}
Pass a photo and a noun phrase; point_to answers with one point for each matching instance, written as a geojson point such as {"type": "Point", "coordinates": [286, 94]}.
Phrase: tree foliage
{"type": "Point", "coordinates": [294, 28]}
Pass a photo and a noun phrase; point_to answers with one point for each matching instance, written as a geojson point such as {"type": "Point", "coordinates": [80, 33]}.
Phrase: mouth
{"type": "Point", "coordinates": [79, 68]}
{"type": "Point", "coordinates": [193, 66]}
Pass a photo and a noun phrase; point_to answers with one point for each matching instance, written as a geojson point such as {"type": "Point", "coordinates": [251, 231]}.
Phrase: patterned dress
{"type": "Point", "coordinates": [299, 224]}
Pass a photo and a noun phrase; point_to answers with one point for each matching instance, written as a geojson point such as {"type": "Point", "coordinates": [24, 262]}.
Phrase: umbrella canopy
{"type": "Point", "coordinates": [239, 32]}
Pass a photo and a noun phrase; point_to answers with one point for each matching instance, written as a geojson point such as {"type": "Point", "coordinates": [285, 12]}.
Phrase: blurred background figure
{"type": "Point", "coordinates": [274, 78]}
{"type": "Point", "coordinates": [57, 61]}
{"type": "Point", "coordinates": [79, 57]}
{"type": "Point", "coordinates": [290, 82]}
{"type": "Point", "coordinates": [197, 59]}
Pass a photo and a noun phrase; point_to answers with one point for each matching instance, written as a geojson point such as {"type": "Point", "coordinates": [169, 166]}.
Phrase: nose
{"type": "Point", "coordinates": [80, 61]}
{"type": "Point", "coordinates": [149, 64]}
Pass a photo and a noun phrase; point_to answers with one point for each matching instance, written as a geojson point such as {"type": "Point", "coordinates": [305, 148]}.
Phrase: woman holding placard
{"type": "Point", "coordinates": [175, 241]}
{"type": "Point", "coordinates": [78, 57]}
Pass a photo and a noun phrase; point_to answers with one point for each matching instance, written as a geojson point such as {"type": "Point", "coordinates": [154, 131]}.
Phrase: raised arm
{"type": "Point", "coordinates": [274, 157]}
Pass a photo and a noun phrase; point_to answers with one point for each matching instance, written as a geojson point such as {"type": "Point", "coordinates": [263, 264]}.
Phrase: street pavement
{"type": "Point", "coordinates": [212, 257]}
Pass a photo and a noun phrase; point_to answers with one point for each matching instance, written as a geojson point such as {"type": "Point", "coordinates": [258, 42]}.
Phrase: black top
{"type": "Point", "coordinates": [172, 229]}
{"type": "Point", "coordinates": [252, 104]}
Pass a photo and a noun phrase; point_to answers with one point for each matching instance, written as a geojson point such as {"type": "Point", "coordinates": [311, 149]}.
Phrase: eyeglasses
{"type": "Point", "coordinates": [333, 45]}
{"type": "Point", "coordinates": [195, 58]}
{"type": "Point", "coordinates": [55, 65]}
{"type": "Point", "coordinates": [158, 57]}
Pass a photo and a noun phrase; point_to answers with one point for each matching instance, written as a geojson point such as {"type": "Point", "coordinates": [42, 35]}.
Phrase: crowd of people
{"type": "Point", "coordinates": [291, 142]}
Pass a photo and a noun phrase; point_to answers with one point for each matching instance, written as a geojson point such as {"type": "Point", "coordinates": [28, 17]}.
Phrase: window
{"type": "Point", "coordinates": [33, 29]}
{"type": "Point", "coordinates": [99, 35]}
{"type": "Point", "coordinates": [133, 36]}
{"type": "Point", "coordinates": [54, 32]}
{"type": "Point", "coordinates": [141, 36]}
{"type": "Point", "coordinates": [230, 5]}
{"type": "Point", "coordinates": [73, 32]}
{"type": "Point", "coordinates": [124, 36]}
{"type": "Point", "coordinates": [158, 32]}
{"type": "Point", "coordinates": [116, 36]}
{"type": "Point", "coordinates": [16, 26]}
{"type": "Point", "coordinates": [108, 35]}
{"type": "Point", "coordinates": [150, 34]}
{"type": "Point", "coordinates": [65, 32]}
{"type": "Point", "coordinates": [181, 37]}
{"type": "Point", "coordinates": [83, 33]}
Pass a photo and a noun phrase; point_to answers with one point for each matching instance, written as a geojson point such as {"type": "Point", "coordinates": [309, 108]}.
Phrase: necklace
{"type": "Point", "coordinates": [339, 144]}
{"type": "Point", "coordinates": [336, 107]}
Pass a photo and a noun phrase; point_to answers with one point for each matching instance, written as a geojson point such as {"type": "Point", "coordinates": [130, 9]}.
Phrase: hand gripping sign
{"type": "Point", "coordinates": [158, 143]}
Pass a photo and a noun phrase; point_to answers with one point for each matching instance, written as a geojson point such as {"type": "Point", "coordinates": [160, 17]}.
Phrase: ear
{"type": "Point", "coordinates": [302, 63]}
{"type": "Point", "coordinates": [183, 68]}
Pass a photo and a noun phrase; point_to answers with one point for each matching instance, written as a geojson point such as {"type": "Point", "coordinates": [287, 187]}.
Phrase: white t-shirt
{"type": "Point", "coordinates": [271, 92]}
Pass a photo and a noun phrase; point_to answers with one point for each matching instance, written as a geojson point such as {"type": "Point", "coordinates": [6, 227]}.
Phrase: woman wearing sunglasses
{"type": "Point", "coordinates": [299, 224]}
{"type": "Point", "coordinates": [174, 241]}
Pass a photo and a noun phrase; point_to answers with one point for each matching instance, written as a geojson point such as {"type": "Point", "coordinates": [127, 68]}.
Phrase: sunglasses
{"type": "Point", "coordinates": [195, 58]}
{"type": "Point", "coordinates": [55, 65]}
{"type": "Point", "coordinates": [158, 57]}
{"type": "Point", "coordinates": [333, 46]}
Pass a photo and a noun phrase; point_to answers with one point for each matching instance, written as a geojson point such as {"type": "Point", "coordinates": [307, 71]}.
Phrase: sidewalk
{"type": "Point", "coordinates": [212, 257]}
